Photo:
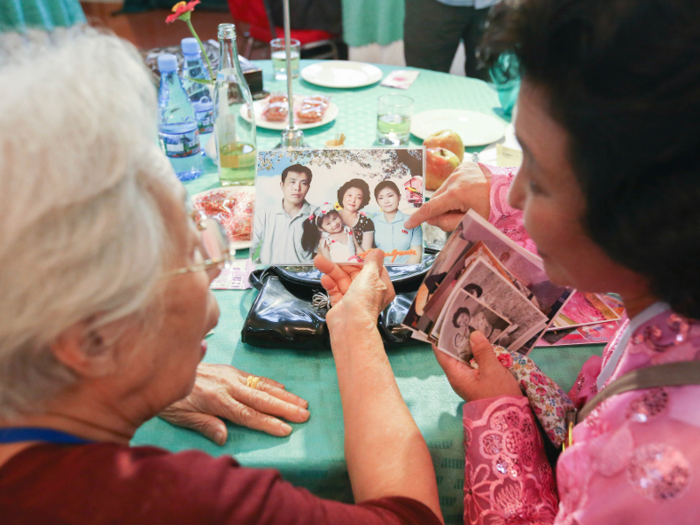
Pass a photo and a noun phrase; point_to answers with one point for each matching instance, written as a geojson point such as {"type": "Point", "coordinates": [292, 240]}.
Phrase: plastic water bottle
{"type": "Point", "coordinates": [177, 126]}
{"type": "Point", "coordinates": [193, 68]}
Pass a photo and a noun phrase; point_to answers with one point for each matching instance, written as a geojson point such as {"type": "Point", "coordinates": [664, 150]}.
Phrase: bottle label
{"type": "Point", "coordinates": [205, 120]}
{"type": "Point", "coordinates": [179, 145]}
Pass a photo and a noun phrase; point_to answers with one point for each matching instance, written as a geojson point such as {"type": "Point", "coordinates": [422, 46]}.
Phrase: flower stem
{"type": "Point", "coordinates": [201, 46]}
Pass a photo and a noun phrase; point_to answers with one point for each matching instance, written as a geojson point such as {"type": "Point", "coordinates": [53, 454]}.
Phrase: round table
{"type": "Point", "coordinates": [312, 456]}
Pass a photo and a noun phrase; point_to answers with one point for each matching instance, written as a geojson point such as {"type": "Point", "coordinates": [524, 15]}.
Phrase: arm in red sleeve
{"type": "Point", "coordinates": [507, 477]}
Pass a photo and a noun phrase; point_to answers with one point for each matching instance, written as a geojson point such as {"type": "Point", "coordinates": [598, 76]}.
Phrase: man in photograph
{"type": "Point", "coordinates": [278, 228]}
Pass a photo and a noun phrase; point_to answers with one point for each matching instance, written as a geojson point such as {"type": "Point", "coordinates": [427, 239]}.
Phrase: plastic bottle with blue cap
{"type": "Point", "coordinates": [178, 131]}
{"type": "Point", "coordinates": [193, 68]}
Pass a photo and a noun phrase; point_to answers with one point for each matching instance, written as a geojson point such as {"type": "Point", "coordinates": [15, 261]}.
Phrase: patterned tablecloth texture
{"type": "Point", "coordinates": [312, 456]}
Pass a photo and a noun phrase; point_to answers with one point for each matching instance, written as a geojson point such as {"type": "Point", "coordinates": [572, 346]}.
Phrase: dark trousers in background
{"type": "Point", "coordinates": [432, 32]}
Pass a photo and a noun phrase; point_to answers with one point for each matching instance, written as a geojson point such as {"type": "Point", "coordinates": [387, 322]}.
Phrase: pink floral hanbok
{"type": "Point", "coordinates": [634, 459]}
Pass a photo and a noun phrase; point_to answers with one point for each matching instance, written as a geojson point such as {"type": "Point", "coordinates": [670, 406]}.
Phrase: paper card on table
{"type": "Point", "coordinates": [584, 309]}
{"type": "Point", "coordinates": [401, 78]}
{"type": "Point", "coordinates": [235, 277]}
{"type": "Point", "coordinates": [338, 203]}
{"type": "Point", "coordinates": [508, 157]}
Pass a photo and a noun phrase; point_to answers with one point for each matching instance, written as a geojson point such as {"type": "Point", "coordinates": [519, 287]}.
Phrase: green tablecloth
{"type": "Point", "coordinates": [372, 21]}
{"type": "Point", "coordinates": [312, 456]}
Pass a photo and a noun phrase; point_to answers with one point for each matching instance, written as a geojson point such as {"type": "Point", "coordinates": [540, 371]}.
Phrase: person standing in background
{"type": "Point", "coordinates": [433, 28]}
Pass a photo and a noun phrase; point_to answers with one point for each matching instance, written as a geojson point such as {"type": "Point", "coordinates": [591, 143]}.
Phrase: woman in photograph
{"type": "Point", "coordinates": [390, 233]}
{"type": "Point", "coordinates": [352, 197]}
{"type": "Point", "coordinates": [460, 320]}
{"type": "Point", "coordinates": [609, 122]}
{"type": "Point", "coordinates": [325, 233]}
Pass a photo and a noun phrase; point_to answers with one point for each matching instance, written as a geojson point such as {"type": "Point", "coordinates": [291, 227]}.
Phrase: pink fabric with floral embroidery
{"type": "Point", "coordinates": [634, 458]}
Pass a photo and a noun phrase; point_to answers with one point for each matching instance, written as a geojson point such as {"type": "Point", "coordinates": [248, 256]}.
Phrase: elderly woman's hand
{"type": "Point", "coordinates": [357, 291]}
{"type": "Point", "coordinates": [467, 188]}
{"type": "Point", "coordinates": [220, 391]}
{"type": "Point", "coordinates": [491, 379]}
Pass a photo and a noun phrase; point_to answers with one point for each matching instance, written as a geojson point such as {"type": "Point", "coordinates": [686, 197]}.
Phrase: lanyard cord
{"type": "Point", "coordinates": [19, 434]}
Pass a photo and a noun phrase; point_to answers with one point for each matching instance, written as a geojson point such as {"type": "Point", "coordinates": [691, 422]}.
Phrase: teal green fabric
{"type": "Point", "coordinates": [20, 15]}
{"type": "Point", "coordinates": [372, 21]}
{"type": "Point", "coordinates": [312, 456]}
{"type": "Point", "coordinates": [506, 78]}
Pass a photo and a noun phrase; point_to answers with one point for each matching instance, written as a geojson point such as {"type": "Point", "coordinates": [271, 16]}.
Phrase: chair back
{"type": "Point", "coordinates": [254, 13]}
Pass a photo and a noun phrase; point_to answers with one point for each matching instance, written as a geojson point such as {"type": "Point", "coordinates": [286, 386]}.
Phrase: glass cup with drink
{"type": "Point", "coordinates": [394, 114]}
{"type": "Point", "coordinates": [278, 53]}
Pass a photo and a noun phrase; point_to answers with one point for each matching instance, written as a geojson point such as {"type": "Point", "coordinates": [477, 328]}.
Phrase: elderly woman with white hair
{"type": "Point", "coordinates": [105, 274]}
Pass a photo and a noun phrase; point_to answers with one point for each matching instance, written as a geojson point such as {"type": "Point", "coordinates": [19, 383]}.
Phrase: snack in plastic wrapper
{"type": "Point", "coordinates": [233, 210]}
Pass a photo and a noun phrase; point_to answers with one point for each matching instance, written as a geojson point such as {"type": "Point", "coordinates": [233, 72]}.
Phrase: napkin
{"type": "Point", "coordinates": [400, 79]}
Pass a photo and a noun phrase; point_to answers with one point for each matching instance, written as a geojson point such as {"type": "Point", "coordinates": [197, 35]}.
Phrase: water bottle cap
{"type": "Point", "coordinates": [167, 63]}
{"type": "Point", "coordinates": [190, 46]}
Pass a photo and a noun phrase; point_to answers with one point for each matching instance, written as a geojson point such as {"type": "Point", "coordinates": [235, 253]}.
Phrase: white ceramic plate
{"type": "Point", "coordinates": [341, 74]}
{"type": "Point", "coordinates": [238, 245]}
{"type": "Point", "coordinates": [329, 116]}
{"type": "Point", "coordinates": [476, 129]}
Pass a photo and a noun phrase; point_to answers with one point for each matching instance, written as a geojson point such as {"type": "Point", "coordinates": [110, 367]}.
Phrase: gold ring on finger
{"type": "Point", "coordinates": [252, 381]}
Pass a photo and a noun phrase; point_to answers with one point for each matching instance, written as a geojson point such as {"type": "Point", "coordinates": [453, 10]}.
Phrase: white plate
{"type": "Point", "coordinates": [238, 245]}
{"type": "Point", "coordinates": [476, 129]}
{"type": "Point", "coordinates": [341, 74]}
{"type": "Point", "coordinates": [329, 116]}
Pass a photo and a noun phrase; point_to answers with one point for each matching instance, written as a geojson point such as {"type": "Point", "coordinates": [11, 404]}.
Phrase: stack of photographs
{"type": "Point", "coordinates": [587, 318]}
{"type": "Point", "coordinates": [481, 280]}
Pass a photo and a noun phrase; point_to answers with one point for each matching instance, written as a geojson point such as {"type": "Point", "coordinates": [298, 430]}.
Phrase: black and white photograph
{"type": "Point", "coordinates": [339, 203]}
{"type": "Point", "coordinates": [464, 315]}
{"type": "Point", "coordinates": [485, 283]}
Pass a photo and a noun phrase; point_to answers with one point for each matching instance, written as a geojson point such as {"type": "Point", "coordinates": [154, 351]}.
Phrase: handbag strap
{"type": "Point", "coordinates": [669, 374]}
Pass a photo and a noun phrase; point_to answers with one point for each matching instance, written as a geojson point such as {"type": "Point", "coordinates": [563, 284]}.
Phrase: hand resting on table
{"type": "Point", "coordinates": [220, 391]}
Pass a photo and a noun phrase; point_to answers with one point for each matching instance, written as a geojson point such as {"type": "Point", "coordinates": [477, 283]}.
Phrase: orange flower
{"type": "Point", "coordinates": [181, 9]}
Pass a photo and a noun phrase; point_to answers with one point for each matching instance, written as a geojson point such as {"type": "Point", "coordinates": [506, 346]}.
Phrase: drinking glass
{"type": "Point", "coordinates": [278, 54]}
{"type": "Point", "coordinates": [394, 114]}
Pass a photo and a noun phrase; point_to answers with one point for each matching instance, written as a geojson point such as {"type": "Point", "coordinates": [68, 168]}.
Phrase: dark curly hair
{"type": "Point", "coordinates": [623, 78]}
{"type": "Point", "coordinates": [460, 311]}
{"type": "Point", "coordinates": [355, 183]}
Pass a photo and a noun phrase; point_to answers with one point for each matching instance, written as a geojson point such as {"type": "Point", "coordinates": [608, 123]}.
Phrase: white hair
{"type": "Point", "coordinates": [82, 236]}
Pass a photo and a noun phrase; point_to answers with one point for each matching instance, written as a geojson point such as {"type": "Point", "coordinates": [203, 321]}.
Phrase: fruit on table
{"type": "Point", "coordinates": [439, 164]}
{"type": "Point", "coordinates": [447, 139]}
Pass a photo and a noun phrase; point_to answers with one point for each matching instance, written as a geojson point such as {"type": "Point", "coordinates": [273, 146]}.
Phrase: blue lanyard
{"type": "Point", "coordinates": [19, 434]}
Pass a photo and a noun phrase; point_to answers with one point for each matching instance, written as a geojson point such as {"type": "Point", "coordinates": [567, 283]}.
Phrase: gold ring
{"type": "Point", "coordinates": [252, 381]}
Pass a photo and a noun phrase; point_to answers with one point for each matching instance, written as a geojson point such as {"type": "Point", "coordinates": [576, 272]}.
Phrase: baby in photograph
{"type": "Point", "coordinates": [325, 233]}
{"type": "Point", "coordinates": [400, 245]}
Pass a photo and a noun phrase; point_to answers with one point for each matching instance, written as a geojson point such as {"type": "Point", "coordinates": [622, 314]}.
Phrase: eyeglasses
{"type": "Point", "coordinates": [216, 248]}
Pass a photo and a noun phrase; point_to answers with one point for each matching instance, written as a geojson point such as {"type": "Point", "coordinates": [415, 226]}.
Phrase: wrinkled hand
{"type": "Point", "coordinates": [467, 188]}
{"type": "Point", "coordinates": [491, 379]}
{"type": "Point", "coordinates": [220, 391]}
{"type": "Point", "coordinates": [356, 291]}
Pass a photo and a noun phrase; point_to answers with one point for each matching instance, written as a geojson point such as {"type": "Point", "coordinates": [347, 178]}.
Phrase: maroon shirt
{"type": "Point", "coordinates": [102, 483]}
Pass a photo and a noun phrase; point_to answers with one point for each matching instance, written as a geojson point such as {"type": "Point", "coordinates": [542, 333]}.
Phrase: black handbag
{"type": "Point", "coordinates": [290, 310]}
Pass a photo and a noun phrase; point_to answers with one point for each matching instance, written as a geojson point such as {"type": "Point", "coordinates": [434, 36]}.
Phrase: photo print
{"type": "Point", "coordinates": [463, 315]}
{"type": "Point", "coordinates": [511, 281]}
{"type": "Point", "coordinates": [340, 203]}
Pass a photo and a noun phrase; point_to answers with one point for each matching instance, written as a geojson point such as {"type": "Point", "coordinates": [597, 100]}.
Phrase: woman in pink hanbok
{"type": "Point", "coordinates": [609, 196]}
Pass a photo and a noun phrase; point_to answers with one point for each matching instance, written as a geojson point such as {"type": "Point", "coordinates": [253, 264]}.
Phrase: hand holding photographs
{"type": "Point", "coordinates": [484, 281]}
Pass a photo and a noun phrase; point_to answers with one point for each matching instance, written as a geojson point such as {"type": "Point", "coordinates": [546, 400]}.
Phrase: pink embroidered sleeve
{"type": "Point", "coordinates": [507, 477]}
{"type": "Point", "coordinates": [502, 215]}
